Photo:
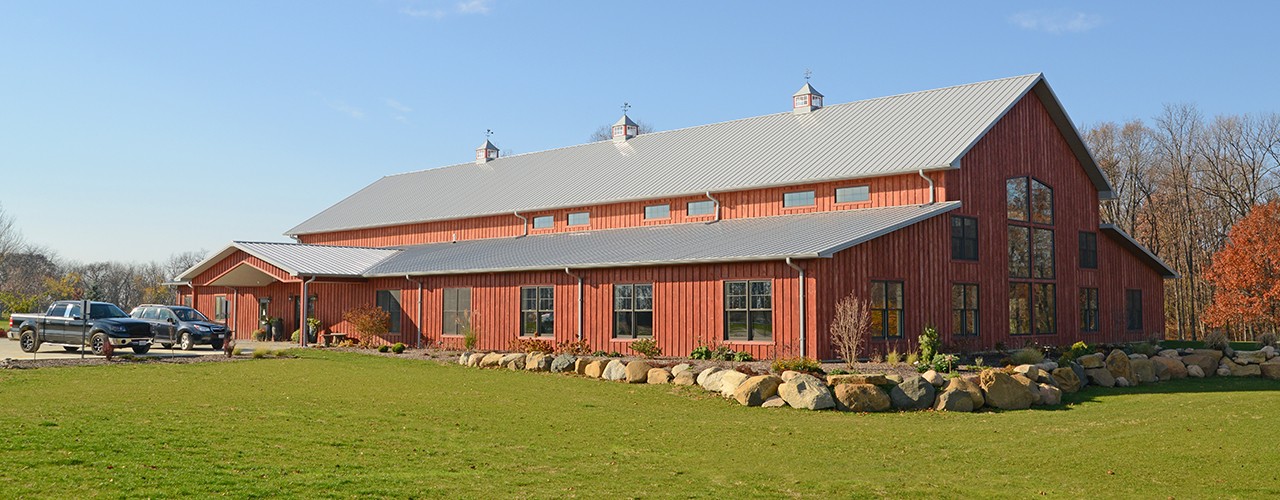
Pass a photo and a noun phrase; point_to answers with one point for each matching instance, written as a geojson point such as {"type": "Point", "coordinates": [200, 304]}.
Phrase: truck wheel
{"type": "Point", "coordinates": [96, 343]}
{"type": "Point", "coordinates": [70, 348]}
{"type": "Point", "coordinates": [216, 344]}
{"type": "Point", "coordinates": [29, 342]}
{"type": "Point", "coordinates": [141, 349]}
{"type": "Point", "coordinates": [185, 343]}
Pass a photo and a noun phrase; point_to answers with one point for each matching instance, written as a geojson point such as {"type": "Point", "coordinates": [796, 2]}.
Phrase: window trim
{"type": "Point", "coordinates": [883, 334]}
{"type": "Point", "coordinates": [538, 310]}
{"type": "Point", "coordinates": [835, 195]}
{"type": "Point", "coordinates": [667, 208]}
{"type": "Point", "coordinates": [568, 219]}
{"type": "Point", "coordinates": [964, 311]}
{"type": "Point", "coordinates": [1080, 245]}
{"type": "Point", "coordinates": [710, 213]}
{"type": "Point", "coordinates": [813, 199]}
{"type": "Point", "coordinates": [445, 313]}
{"type": "Point", "coordinates": [977, 249]}
{"type": "Point", "coordinates": [724, 311]}
{"type": "Point", "coordinates": [534, 222]}
{"type": "Point", "coordinates": [396, 317]}
{"type": "Point", "coordinates": [1096, 310]}
{"type": "Point", "coordinates": [614, 311]}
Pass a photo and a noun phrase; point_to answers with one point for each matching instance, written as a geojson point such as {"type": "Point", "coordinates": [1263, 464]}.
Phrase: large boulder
{"type": "Point", "coordinates": [854, 378]}
{"type": "Point", "coordinates": [913, 393]}
{"type": "Point", "coordinates": [491, 360]}
{"type": "Point", "coordinates": [969, 384]}
{"type": "Point", "coordinates": [1144, 371]}
{"type": "Point", "coordinates": [1169, 353]}
{"type": "Point", "coordinates": [1194, 371]}
{"type": "Point", "coordinates": [1032, 372]}
{"type": "Point", "coordinates": [1002, 391]}
{"type": "Point", "coordinates": [563, 363]}
{"type": "Point", "coordinates": [789, 374]}
{"type": "Point", "coordinates": [1212, 353]}
{"type": "Point", "coordinates": [934, 378]}
{"type": "Point", "coordinates": [538, 362]}
{"type": "Point", "coordinates": [615, 370]}
{"type": "Point", "coordinates": [861, 398]}
{"type": "Point", "coordinates": [680, 368]}
{"type": "Point", "coordinates": [1100, 377]}
{"type": "Point", "coordinates": [954, 400]}
{"type": "Point", "coordinates": [1095, 360]}
{"type": "Point", "coordinates": [474, 359]}
{"type": "Point", "coordinates": [462, 359]}
{"type": "Point", "coordinates": [658, 376]}
{"type": "Point", "coordinates": [710, 378]}
{"type": "Point", "coordinates": [756, 390]}
{"type": "Point", "coordinates": [1032, 387]}
{"type": "Point", "coordinates": [806, 391]}
{"type": "Point", "coordinates": [580, 366]}
{"type": "Point", "coordinates": [1207, 364]}
{"type": "Point", "coordinates": [893, 378]}
{"type": "Point", "coordinates": [730, 381]}
{"type": "Point", "coordinates": [1066, 380]}
{"type": "Point", "coordinates": [1119, 365]}
{"type": "Point", "coordinates": [684, 378]}
{"type": "Point", "coordinates": [1050, 395]}
{"type": "Point", "coordinates": [1269, 351]}
{"type": "Point", "coordinates": [1164, 367]}
{"type": "Point", "coordinates": [637, 372]}
{"type": "Point", "coordinates": [774, 402]}
{"type": "Point", "coordinates": [1239, 370]}
{"type": "Point", "coordinates": [513, 361]}
{"type": "Point", "coordinates": [1084, 381]}
{"type": "Point", "coordinates": [1250, 357]}
{"type": "Point", "coordinates": [704, 374]}
{"type": "Point", "coordinates": [595, 369]}
{"type": "Point", "coordinates": [1271, 369]}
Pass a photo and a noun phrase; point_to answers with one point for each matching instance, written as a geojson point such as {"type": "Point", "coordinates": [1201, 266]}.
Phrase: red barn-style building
{"type": "Point", "coordinates": [973, 209]}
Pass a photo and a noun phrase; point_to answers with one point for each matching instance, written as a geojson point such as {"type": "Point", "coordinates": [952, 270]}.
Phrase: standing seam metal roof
{"type": "Point", "coordinates": [931, 129]}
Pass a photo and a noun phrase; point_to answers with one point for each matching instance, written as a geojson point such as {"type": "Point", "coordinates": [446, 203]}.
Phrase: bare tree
{"type": "Point", "coordinates": [605, 132]}
{"type": "Point", "coordinates": [849, 327]}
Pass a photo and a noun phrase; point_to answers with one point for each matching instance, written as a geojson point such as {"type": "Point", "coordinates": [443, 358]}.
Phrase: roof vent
{"type": "Point", "coordinates": [624, 128]}
{"type": "Point", "coordinates": [486, 151]}
{"type": "Point", "coordinates": [806, 99]}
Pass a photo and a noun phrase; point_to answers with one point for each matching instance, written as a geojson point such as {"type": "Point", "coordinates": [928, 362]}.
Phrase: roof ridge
{"type": "Point", "coordinates": [291, 243]}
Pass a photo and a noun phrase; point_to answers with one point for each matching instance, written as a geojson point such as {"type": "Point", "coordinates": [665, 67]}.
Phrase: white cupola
{"type": "Point", "coordinates": [486, 151]}
{"type": "Point", "coordinates": [624, 128]}
{"type": "Point", "coordinates": [806, 99]}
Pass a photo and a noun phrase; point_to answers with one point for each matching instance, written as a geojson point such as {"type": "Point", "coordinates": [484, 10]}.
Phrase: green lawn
{"type": "Point", "coordinates": [346, 425]}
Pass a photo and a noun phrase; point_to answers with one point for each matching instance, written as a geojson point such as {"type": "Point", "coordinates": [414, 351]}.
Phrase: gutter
{"type": "Point", "coordinates": [717, 202]}
{"type": "Point", "coordinates": [930, 181]}
{"type": "Point", "coordinates": [526, 223]}
{"type": "Point", "coordinates": [579, 277]}
{"type": "Point", "coordinates": [411, 280]}
{"type": "Point", "coordinates": [802, 304]}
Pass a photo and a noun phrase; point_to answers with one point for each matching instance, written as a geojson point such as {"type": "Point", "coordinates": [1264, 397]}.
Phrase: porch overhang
{"type": "Point", "coordinates": [243, 276]}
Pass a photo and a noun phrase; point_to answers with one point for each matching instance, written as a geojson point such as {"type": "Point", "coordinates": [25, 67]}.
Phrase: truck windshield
{"type": "Point", "coordinates": [101, 311]}
{"type": "Point", "coordinates": [188, 314]}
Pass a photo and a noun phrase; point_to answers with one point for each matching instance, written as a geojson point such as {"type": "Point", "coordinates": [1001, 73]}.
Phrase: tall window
{"type": "Point", "coordinates": [798, 199]}
{"type": "Point", "coordinates": [748, 310]}
{"type": "Point", "coordinates": [632, 311]}
{"type": "Point", "coordinates": [853, 194]}
{"type": "Point", "coordinates": [1133, 309]}
{"type": "Point", "coordinates": [964, 310]}
{"type": "Point", "coordinates": [579, 219]}
{"type": "Point", "coordinates": [1088, 250]}
{"type": "Point", "coordinates": [704, 207]}
{"type": "Point", "coordinates": [537, 311]}
{"type": "Point", "coordinates": [544, 222]}
{"type": "Point", "coordinates": [657, 211]}
{"type": "Point", "coordinates": [456, 314]}
{"type": "Point", "coordinates": [886, 309]}
{"type": "Point", "coordinates": [220, 308]}
{"type": "Point", "coordinates": [389, 301]}
{"type": "Point", "coordinates": [1089, 309]}
{"type": "Point", "coordinates": [1032, 268]}
{"type": "Point", "coordinates": [964, 238]}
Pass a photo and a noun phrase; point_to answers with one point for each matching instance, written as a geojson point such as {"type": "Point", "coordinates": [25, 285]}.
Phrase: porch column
{"type": "Point", "coordinates": [303, 300]}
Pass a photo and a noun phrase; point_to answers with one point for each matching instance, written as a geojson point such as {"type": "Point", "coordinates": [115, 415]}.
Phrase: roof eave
{"type": "Point", "coordinates": [603, 265]}
{"type": "Point", "coordinates": [943, 207]}
{"type": "Point", "coordinates": [1151, 258]}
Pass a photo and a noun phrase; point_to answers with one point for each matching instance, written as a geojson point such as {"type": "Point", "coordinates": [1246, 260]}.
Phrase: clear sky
{"type": "Point", "coordinates": [133, 130]}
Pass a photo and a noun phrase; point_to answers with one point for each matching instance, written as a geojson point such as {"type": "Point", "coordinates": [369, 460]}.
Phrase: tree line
{"type": "Point", "coordinates": [33, 276]}
{"type": "Point", "coordinates": [1182, 182]}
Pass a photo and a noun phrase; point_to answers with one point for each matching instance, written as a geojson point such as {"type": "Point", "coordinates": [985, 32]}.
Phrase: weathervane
{"type": "Point", "coordinates": [807, 73]}
{"type": "Point", "coordinates": [488, 133]}
{"type": "Point", "coordinates": [625, 106]}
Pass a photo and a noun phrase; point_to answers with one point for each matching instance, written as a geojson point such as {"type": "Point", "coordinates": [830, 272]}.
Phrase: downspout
{"type": "Point", "coordinates": [302, 303]}
{"type": "Point", "coordinates": [570, 273]}
{"type": "Point", "coordinates": [717, 202]}
{"type": "Point", "coordinates": [930, 181]}
{"type": "Point", "coordinates": [802, 304]}
{"type": "Point", "coordinates": [419, 282]}
{"type": "Point", "coordinates": [526, 223]}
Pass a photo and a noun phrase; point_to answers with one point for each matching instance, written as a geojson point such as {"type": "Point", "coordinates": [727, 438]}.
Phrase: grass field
{"type": "Point", "coordinates": [333, 424]}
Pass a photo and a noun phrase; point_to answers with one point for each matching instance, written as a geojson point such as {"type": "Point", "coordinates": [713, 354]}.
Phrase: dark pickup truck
{"type": "Point", "coordinates": [65, 325]}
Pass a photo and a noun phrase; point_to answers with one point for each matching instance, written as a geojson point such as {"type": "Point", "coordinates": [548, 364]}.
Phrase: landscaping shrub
{"type": "Point", "coordinates": [742, 357]}
{"type": "Point", "coordinates": [802, 365]}
{"type": "Point", "coordinates": [700, 352]}
{"type": "Point", "coordinates": [384, 348]}
{"type": "Point", "coordinates": [646, 347]}
{"type": "Point", "coordinates": [261, 335]}
{"type": "Point", "coordinates": [237, 351]}
{"type": "Point", "coordinates": [599, 353]}
{"type": "Point", "coordinates": [1026, 356]}
{"type": "Point", "coordinates": [615, 354]}
{"type": "Point", "coordinates": [849, 327]}
{"type": "Point", "coordinates": [294, 337]}
{"type": "Point", "coordinates": [929, 343]}
{"type": "Point", "coordinates": [281, 353]}
{"type": "Point", "coordinates": [368, 321]}
{"type": "Point", "coordinates": [1078, 349]}
{"type": "Point", "coordinates": [398, 348]}
{"type": "Point", "coordinates": [913, 358]}
{"type": "Point", "coordinates": [468, 337]}
{"type": "Point", "coordinates": [1215, 340]}
{"type": "Point", "coordinates": [893, 357]}
{"type": "Point", "coordinates": [530, 346]}
{"type": "Point", "coordinates": [722, 353]}
{"type": "Point", "coordinates": [941, 363]}
{"type": "Point", "coordinates": [576, 348]}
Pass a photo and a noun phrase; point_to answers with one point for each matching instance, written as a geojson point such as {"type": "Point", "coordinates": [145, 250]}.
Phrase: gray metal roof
{"type": "Point", "coordinates": [807, 89]}
{"type": "Point", "coordinates": [923, 130]}
{"type": "Point", "coordinates": [625, 120]}
{"type": "Point", "coordinates": [301, 260]}
{"type": "Point", "coordinates": [798, 236]}
{"type": "Point", "coordinates": [1123, 238]}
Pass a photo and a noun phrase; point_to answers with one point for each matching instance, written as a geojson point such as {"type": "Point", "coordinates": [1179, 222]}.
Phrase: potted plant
{"type": "Point", "coordinates": [313, 327]}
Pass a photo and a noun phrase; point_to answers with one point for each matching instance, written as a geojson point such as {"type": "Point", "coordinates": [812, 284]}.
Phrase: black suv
{"type": "Point", "coordinates": [180, 325]}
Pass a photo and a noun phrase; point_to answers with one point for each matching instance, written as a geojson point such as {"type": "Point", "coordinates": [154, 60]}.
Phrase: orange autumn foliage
{"type": "Point", "coordinates": [1246, 271]}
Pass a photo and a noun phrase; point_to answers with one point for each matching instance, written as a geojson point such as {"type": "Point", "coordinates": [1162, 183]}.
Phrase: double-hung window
{"type": "Point", "coordinates": [1089, 309]}
{"type": "Point", "coordinates": [964, 238]}
{"type": "Point", "coordinates": [886, 309]}
{"type": "Point", "coordinates": [537, 311]}
{"type": "Point", "coordinates": [633, 311]}
{"type": "Point", "coordinates": [748, 310]}
{"type": "Point", "coordinates": [1088, 250]}
{"type": "Point", "coordinates": [964, 310]}
{"type": "Point", "coordinates": [389, 301]}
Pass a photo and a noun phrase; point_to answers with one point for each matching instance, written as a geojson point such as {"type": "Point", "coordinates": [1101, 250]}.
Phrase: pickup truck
{"type": "Point", "coordinates": [65, 325]}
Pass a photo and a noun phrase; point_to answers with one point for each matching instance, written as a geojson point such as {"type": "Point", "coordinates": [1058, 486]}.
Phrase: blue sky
{"type": "Point", "coordinates": [133, 130]}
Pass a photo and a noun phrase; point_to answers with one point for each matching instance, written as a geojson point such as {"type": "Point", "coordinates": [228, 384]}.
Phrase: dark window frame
{"type": "Point", "coordinates": [454, 321]}
{"type": "Point", "coordinates": [749, 308]}
{"type": "Point", "coordinates": [634, 313]}
{"type": "Point", "coordinates": [1090, 319]}
{"type": "Point", "coordinates": [968, 309]}
{"type": "Point", "coordinates": [964, 245]}
{"type": "Point", "coordinates": [884, 310]}
{"type": "Point", "coordinates": [1133, 309]}
{"type": "Point", "coordinates": [1032, 280]}
{"type": "Point", "coordinates": [389, 300]}
{"type": "Point", "coordinates": [1088, 245]}
{"type": "Point", "coordinates": [539, 310]}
